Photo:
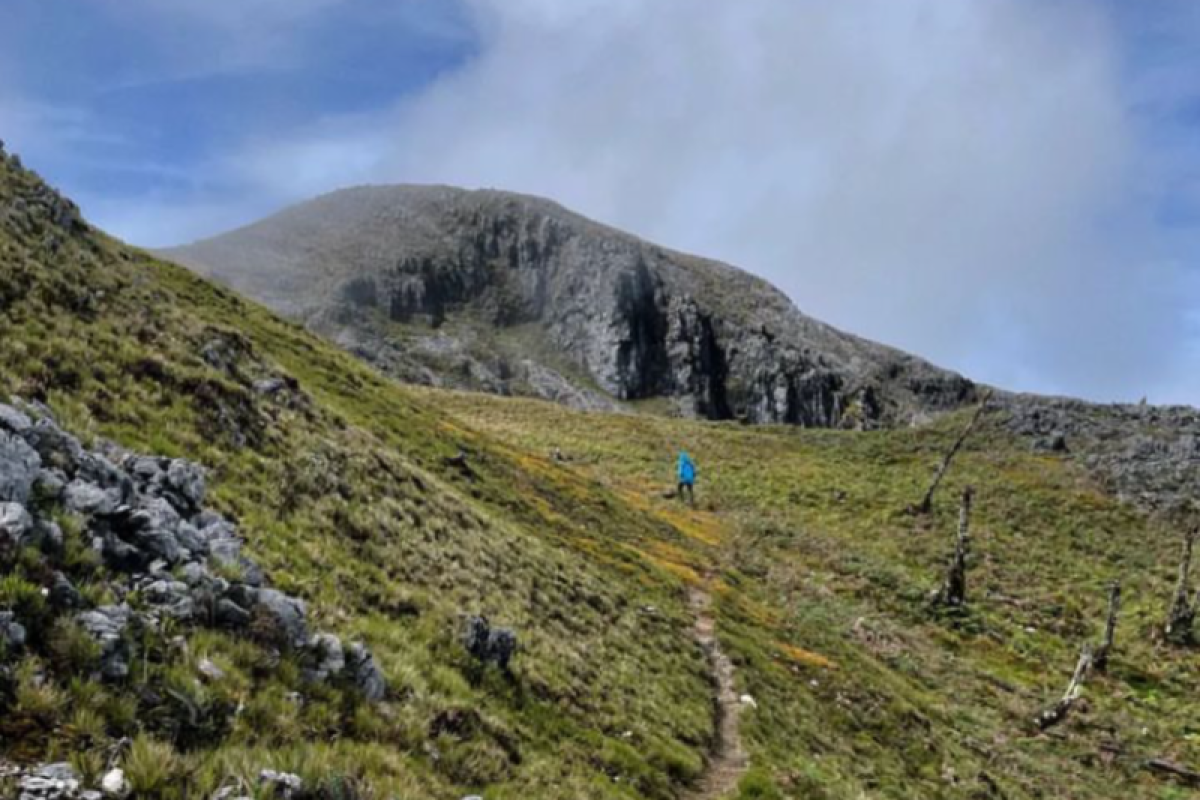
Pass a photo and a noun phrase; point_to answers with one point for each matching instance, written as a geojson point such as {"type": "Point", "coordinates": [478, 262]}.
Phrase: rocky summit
{"type": "Point", "coordinates": [517, 295]}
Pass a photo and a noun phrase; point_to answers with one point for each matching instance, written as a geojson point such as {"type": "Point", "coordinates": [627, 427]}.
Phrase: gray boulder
{"type": "Point", "coordinates": [19, 465]}
{"type": "Point", "coordinates": [171, 598]}
{"type": "Point", "coordinates": [186, 484]}
{"type": "Point", "coordinates": [87, 498]}
{"type": "Point", "coordinates": [13, 420]}
{"type": "Point", "coordinates": [326, 658]}
{"type": "Point", "coordinates": [15, 523]}
{"type": "Point", "coordinates": [283, 617]}
{"type": "Point", "coordinates": [107, 625]}
{"type": "Point", "coordinates": [281, 785]}
{"type": "Point", "coordinates": [63, 594]}
{"type": "Point", "coordinates": [12, 633]}
{"type": "Point", "coordinates": [364, 674]}
{"type": "Point", "coordinates": [50, 782]}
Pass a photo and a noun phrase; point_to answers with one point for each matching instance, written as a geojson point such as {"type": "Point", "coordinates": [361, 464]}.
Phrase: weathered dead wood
{"type": "Point", "coordinates": [1182, 615]}
{"type": "Point", "coordinates": [926, 504]}
{"type": "Point", "coordinates": [1059, 711]}
{"type": "Point", "coordinates": [1185, 775]}
{"type": "Point", "coordinates": [1100, 660]}
{"type": "Point", "coordinates": [953, 592]}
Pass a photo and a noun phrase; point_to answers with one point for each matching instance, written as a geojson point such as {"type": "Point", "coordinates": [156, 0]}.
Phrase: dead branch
{"type": "Point", "coordinates": [926, 504]}
{"type": "Point", "coordinates": [1187, 776]}
{"type": "Point", "coordinates": [1059, 711]}
{"type": "Point", "coordinates": [954, 589]}
{"type": "Point", "coordinates": [1100, 660]}
{"type": "Point", "coordinates": [1183, 610]}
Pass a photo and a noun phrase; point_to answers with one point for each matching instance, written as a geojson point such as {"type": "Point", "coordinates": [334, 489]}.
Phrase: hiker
{"type": "Point", "coordinates": [687, 477]}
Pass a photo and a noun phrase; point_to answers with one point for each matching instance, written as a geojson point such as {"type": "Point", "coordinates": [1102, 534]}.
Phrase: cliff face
{"type": "Point", "coordinates": [516, 295]}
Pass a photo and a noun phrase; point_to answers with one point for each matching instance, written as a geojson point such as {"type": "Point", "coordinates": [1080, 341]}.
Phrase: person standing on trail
{"type": "Point", "coordinates": [686, 470]}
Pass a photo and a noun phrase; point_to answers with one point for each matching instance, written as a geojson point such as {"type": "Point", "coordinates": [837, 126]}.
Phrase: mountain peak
{"type": "Point", "coordinates": [516, 294]}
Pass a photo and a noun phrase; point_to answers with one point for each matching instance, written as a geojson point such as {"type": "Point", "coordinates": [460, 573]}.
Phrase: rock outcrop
{"type": "Point", "coordinates": [1146, 455]}
{"type": "Point", "coordinates": [513, 294]}
{"type": "Point", "coordinates": [169, 558]}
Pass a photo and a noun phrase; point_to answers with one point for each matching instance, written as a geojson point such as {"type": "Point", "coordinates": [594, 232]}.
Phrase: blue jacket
{"type": "Point", "coordinates": [687, 469]}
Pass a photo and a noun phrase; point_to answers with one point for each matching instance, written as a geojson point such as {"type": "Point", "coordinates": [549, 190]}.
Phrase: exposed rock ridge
{"type": "Point", "coordinates": [431, 282]}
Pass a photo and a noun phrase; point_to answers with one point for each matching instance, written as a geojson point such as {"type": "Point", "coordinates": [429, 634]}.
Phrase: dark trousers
{"type": "Point", "coordinates": [688, 487]}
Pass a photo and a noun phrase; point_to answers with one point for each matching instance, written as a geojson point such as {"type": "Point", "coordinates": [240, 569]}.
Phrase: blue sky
{"type": "Point", "coordinates": [1008, 187]}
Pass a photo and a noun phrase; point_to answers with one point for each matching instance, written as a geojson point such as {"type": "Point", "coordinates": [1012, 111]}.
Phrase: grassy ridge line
{"type": "Point", "coordinates": [816, 554]}
{"type": "Point", "coordinates": [340, 485]}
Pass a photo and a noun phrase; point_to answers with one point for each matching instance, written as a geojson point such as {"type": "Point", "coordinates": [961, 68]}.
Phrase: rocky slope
{"type": "Point", "coordinates": [154, 563]}
{"type": "Point", "coordinates": [343, 488]}
{"type": "Point", "coordinates": [514, 294]}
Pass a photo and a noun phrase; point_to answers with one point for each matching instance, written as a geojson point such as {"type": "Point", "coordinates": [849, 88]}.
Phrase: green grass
{"type": "Point", "coordinates": [341, 487]}
{"type": "Point", "coordinates": [819, 578]}
{"type": "Point", "coordinates": [821, 562]}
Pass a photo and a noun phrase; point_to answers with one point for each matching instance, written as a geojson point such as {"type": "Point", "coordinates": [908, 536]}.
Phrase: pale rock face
{"type": "Point", "coordinates": [516, 295]}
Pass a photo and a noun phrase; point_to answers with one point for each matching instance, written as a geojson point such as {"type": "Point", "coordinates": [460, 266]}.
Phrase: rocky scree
{"type": "Point", "coordinates": [1145, 455]}
{"type": "Point", "coordinates": [165, 560]}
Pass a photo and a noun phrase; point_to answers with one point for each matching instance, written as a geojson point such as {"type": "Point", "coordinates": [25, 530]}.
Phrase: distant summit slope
{"type": "Point", "coordinates": [517, 295]}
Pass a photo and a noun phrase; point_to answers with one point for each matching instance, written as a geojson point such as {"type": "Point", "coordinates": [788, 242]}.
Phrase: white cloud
{"type": "Point", "coordinates": [965, 180]}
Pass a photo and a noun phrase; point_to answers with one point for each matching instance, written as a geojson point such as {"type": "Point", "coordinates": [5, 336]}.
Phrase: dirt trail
{"type": "Point", "coordinates": [728, 761]}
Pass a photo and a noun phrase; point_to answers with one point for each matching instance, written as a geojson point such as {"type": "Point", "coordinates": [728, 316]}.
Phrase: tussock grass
{"type": "Point", "coordinates": [862, 690]}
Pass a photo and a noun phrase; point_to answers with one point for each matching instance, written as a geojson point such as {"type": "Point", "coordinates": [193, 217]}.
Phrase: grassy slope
{"type": "Point", "coordinates": [819, 579]}
{"type": "Point", "coordinates": [819, 564]}
{"type": "Point", "coordinates": [346, 500]}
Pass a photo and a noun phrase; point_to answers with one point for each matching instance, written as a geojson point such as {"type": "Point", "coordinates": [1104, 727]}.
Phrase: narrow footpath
{"type": "Point", "coordinates": [727, 761]}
